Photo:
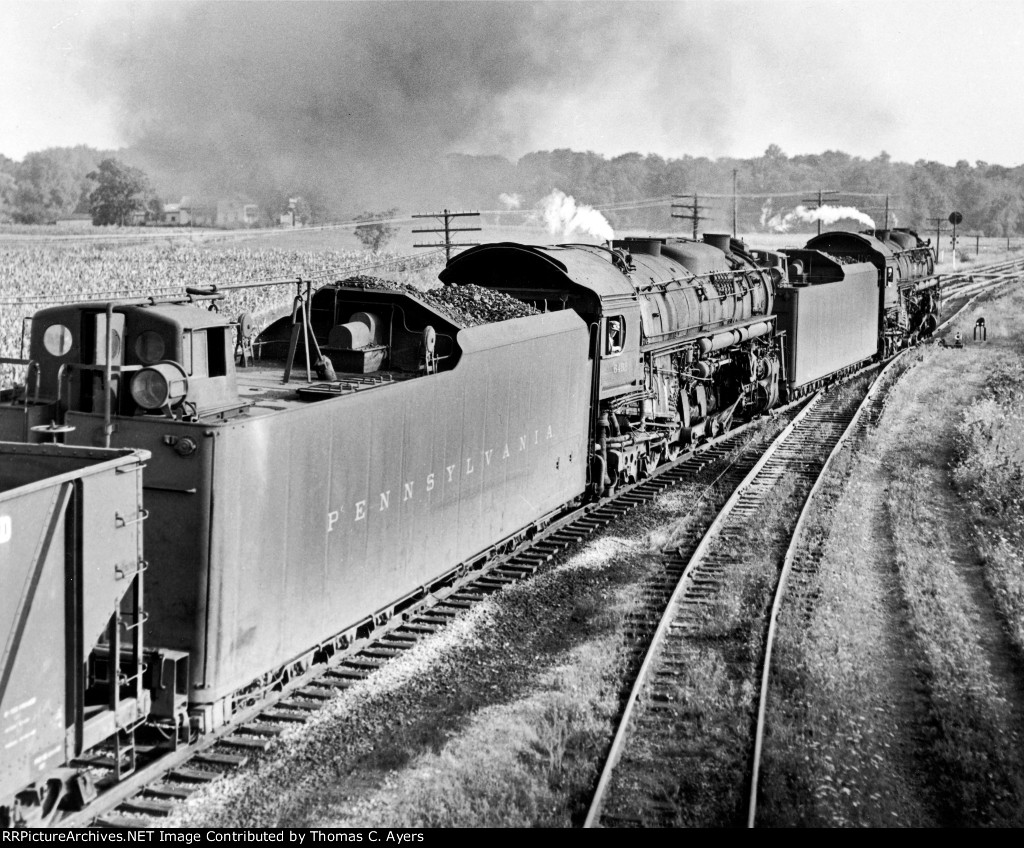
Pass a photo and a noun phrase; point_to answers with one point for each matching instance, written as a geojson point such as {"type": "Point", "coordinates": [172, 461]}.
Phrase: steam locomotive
{"type": "Point", "coordinates": [285, 519]}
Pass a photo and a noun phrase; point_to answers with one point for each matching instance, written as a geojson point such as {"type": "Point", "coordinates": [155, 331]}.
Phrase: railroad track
{"type": "Point", "coordinates": [723, 595]}
{"type": "Point", "coordinates": [626, 793]}
{"type": "Point", "coordinates": [156, 787]}
{"type": "Point", "coordinates": [162, 781]}
{"type": "Point", "coordinates": [960, 287]}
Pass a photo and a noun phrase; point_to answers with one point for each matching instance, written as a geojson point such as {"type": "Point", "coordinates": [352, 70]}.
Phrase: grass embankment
{"type": "Point", "coordinates": [494, 721]}
{"type": "Point", "coordinates": [898, 702]}
{"type": "Point", "coordinates": [989, 473]}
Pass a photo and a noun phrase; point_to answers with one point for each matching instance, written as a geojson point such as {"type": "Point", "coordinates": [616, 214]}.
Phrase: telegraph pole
{"type": "Point", "coordinates": [694, 210]}
{"type": "Point", "coordinates": [448, 229]}
{"type": "Point", "coordinates": [735, 203]}
{"type": "Point", "coordinates": [820, 201]}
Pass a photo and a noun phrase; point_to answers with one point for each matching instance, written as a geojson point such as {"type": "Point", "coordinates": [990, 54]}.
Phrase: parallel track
{"type": "Point", "coordinates": [632, 789]}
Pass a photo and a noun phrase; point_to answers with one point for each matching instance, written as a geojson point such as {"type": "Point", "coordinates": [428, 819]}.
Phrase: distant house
{"type": "Point", "coordinates": [189, 212]}
{"type": "Point", "coordinates": [237, 213]}
{"type": "Point", "coordinates": [172, 214]}
{"type": "Point", "coordinates": [77, 221]}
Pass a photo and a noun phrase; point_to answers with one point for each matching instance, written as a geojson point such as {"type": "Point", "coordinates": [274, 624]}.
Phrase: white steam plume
{"type": "Point", "coordinates": [826, 214]}
{"type": "Point", "coordinates": [564, 218]}
{"type": "Point", "coordinates": [511, 201]}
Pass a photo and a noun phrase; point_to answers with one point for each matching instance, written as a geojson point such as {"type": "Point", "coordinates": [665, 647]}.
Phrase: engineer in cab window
{"type": "Point", "coordinates": [613, 336]}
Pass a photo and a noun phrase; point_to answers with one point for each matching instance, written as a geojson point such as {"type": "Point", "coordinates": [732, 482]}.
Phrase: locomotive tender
{"type": "Point", "coordinates": [284, 520]}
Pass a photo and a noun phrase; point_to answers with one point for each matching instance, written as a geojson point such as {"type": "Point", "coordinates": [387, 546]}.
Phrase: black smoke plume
{"type": "Point", "coordinates": [351, 104]}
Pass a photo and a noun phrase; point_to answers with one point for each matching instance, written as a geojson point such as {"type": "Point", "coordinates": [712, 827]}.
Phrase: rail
{"type": "Point", "coordinates": [669, 613]}
{"type": "Point", "coordinates": [791, 554]}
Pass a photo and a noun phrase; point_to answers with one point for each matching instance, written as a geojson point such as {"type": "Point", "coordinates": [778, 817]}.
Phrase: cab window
{"type": "Point", "coordinates": [614, 335]}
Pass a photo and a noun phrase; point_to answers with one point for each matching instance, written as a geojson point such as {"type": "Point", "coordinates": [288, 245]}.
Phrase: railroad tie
{"type": "Point", "coordinates": [115, 822]}
{"type": "Point", "coordinates": [218, 759]}
{"type": "Point", "coordinates": [147, 806]}
{"type": "Point", "coordinates": [298, 705]}
{"type": "Point", "coordinates": [279, 715]}
{"type": "Point", "coordinates": [265, 729]}
{"type": "Point", "coordinates": [418, 627]}
{"type": "Point", "coordinates": [165, 790]}
{"type": "Point", "coordinates": [189, 775]}
{"type": "Point", "coordinates": [398, 645]}
{"type": "Point", "coordinates": [365, 659]}
{"type": "Point", "coordinates": [236, 740]}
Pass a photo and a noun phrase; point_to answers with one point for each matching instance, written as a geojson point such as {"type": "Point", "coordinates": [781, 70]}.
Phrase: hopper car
{"type": "Point", "coordinates": [287, 515]}
{"type": "Point", "coordinates": [75, 671]}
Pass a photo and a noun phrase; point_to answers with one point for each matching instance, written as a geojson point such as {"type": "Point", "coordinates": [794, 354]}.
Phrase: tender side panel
{"type": "Point", "coordinates": [829, 326]}
{"type": "Point", "coordinates": [324, 514]}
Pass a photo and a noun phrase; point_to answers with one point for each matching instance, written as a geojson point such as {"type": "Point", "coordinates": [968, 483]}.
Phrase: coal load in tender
{"type": "Point", "coordinates": [467, 306]}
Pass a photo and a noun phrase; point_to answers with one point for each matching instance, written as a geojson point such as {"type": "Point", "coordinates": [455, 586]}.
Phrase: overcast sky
{"type": "Point", "coordinates": [935, 79]}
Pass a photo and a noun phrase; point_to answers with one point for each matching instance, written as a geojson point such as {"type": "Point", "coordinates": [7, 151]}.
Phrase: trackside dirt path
{"type": "Point", "coordinates": [902, 701]}
{"type": "Point", "coordinates": [846, 705]}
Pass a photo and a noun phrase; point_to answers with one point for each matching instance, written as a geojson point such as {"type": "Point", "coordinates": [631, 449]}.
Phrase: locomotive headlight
{"type": "Point", "coordinates": [160, 386]}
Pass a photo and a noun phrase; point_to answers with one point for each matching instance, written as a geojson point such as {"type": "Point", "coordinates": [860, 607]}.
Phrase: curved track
{"type": "Point", "coordinates": [631, 789]}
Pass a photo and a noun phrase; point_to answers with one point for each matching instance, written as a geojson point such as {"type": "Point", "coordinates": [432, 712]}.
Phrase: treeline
{"type": "Point", "coordinates": [55, 183]}
{"type": "Point", "coordinates": [990, 197]}
{"type": "Point", "coordinates": [64, 181]}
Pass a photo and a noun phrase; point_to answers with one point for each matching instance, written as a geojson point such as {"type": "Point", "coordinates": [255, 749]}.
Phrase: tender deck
{"type": "Point", "coordinates": [264, 383]}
